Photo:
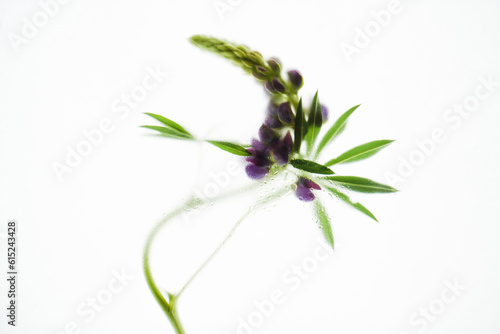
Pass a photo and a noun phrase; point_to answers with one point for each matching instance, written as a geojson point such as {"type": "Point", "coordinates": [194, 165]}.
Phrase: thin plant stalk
{"type": "Point", "coordinates": [169, 306]}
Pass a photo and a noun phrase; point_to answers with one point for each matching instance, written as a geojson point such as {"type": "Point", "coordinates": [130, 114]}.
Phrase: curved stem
{"type": "Point", "coordinates": [238, 222]}
{"type": "Point", "coordinates": [169, 306]}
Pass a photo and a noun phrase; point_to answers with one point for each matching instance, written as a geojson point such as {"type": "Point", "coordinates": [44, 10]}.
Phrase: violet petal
{"type": "Point", "coordinates": [304, 194]}
{"type": "Point", "coordinates": [256, 172]}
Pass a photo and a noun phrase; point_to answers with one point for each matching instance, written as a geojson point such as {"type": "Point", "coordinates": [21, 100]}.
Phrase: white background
{"type": "Point", "coordinates": [75, 232]}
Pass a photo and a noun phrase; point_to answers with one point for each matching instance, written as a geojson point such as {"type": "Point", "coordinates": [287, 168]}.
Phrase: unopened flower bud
{"type": "Point", "coordinates": [282, 149]}
{"type": "Point", "coordinates": [273, 122]}
{"type": "Point", "coordinates": [324, 113]}
{"type": "Point", "coordinates": [278, 85]}
{"type": "Point", "coordinates": [270, 88]}
{"type": "Point", "coordinates": [261, 69]}
{"type": "Point", "coordinates": [285, 113]}
{"type": "Point", "coordinates": [266, 134]}
{"type": "Point", "coordinates": [296, 78]}
{"type": "Point", "coordinates": [258, 75]}
{"type": "Point", "coordinates": [275, 65]}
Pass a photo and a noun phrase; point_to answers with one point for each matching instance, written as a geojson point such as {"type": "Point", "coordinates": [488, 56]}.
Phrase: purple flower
{"type": "Point", "coordinates": [267, 135]}
{"type": "Point", "coordinates": [304, 192]}
{"type": "Point", "coordinates": [282, 149]}
{"type": "Point", "coordinates": [285, 113]}
{"type": "Point", "coordinates": [278, 85]}
{"type": "Point", "coordinates": [324, 113]}
{"type": "Point", "coordinates": [272, 109]}
{"type": "Point", "coordinates": [259, 158]}
{"type": "Point", "coordinates": [256, 172]}
{"type": "Point", "coordinates": [273, 123]}
{"type": "Point", "coordinates": [259, 146]}
{"type": "Point", "coordinates": [296, 78]}
{"type": "Point", "coordinates": [272, 120]}
{"type": "Point", "coordinates": [270, 88]}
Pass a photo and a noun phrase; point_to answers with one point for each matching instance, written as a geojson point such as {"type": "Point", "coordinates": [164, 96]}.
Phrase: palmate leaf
{"type": "Point", "coordinates": [335, 130]}
{"type": "Point", "coordinates": [360, 152]}
{"type": "Point", "coordinates": [230, 147]}
{"type": "Point", "coordinates": [323, 221]}
{"type": "Point", "coordinates": [358, 206]}
{"type": "Point", "coordinates": [361, 184]}
{"type": "Point", "coordinates": [299, 127]}
{"type": "Point", "coordinates": [311, 167]}
{"type": "Point", "coordinates": [314, 123]}
{"type": "Point", "coordinates": [168, 132]}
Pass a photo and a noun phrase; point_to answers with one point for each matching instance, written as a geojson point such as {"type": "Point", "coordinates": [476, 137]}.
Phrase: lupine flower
{"type": "Point", "coordinates": [275, 65]}
{"type": "Point", "coordinates": [267, 135]}
{"type": "Point", "coordinates": [282, 149]}
{"type": "Point", "coordinates": [275, 146]}
{"type": "Point", "coordinates": [296, 79]}
{"type": "Point", "coordinates": [272, 119]}
{"type": "Point", "coordinates": [304, 192]}
{"type": "Point", "coordinates": [324, 113]}
{"type": "Point", "coordinates": [270, 88]}
{"type": "Point", "coordinates": [278, 85]}
{"type": "Point", "coordinates": [255, 172]}
{"type": "Point", "coordinates": [285, 113]}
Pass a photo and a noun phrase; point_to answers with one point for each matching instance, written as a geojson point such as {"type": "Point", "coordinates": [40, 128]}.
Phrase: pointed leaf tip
{"type": "Point", "coordinates": [230, 147]}
{"type": "Point", "coordinates": [311, 167]}
{"type": "Point", "coordinates": [360, 152]}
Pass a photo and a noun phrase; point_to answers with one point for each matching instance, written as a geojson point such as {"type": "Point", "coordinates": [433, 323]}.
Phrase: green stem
{"type": "Point", "coordinates": [169, 307]}
{"type": "Point", "coordinates": [251, 209]}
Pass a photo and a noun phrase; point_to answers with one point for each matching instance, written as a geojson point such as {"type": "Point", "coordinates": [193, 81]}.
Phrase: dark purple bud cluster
{"type": "Point", "coordinates": [275, 83]}
{"type": "Point", "coordinates": [304, 192]}
{"type": "Point", "coordinates": [275, 143]}
{"type": "Point", "coordinates": [269, 149]}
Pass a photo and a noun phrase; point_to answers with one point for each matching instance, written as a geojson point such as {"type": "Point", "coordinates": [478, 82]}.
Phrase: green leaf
{"type": "Point", "coordinates": [360, 152]}
{"type": "Point", "coordinates": [335, 130]}
{"type": "Point", "coordinates": [168, 132]}
{"type": "Point", "coordinates": [169, 123]}
{"type": "Point", "coordinates": [230, 147]}
{"type": "Point", "coordinates": [323, 221]}
{"type": "Point", "coordinates": [361, 184]}
{"type": "Point", "coordinates": [311, 166]}
{"type": "Point", "coordinates": [299, 127]}
{"type": "Point", "coordinates": [314, 123]}
{"type": "Point", "coordinates": [346, 199]}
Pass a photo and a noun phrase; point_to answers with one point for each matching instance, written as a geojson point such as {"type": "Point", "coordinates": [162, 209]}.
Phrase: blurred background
{"type": "Point", "coordinates": [77, 77]}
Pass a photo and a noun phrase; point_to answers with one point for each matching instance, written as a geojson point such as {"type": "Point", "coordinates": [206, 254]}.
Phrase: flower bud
{"type": "Point", "coordinates": [278, 85]}
{"type": "Point", "coordinates": [267, 135]}
{"type": "Point", "coordinates": [285, 113]}
{"type": "Point", "coordinates": [282, 150]}
{"type": "Point", "coordinates": [261, 69]}
{"type": "Point", "coordinates": [296, 79]}
{"type": "Point", "coordinates": [272, 109]}
{"type": "Point", "coordinates": [273, 122]}
{"type": "Point", "coordinates": [270, 88]}
{"type": "Point", "coordinates": [258, 75]}
{"type": "Point", "coordinates": [275, 65]}
{"type": "Point", "coordinates": [324, 113]}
